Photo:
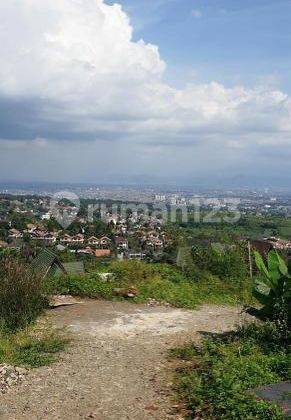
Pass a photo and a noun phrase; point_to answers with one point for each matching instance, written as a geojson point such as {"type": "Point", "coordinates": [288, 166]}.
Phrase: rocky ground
{"type": "Point", "coordinates": [10, 376]}
{"type": "Point", "coordinates": [116, 366]}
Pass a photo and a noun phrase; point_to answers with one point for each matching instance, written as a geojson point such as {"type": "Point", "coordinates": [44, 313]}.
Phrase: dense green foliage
{"type": "Point", "coordinates": [273, 289]}
{"type": "Point", "coordinates": [217, 377]}
{"type": "Point", "coordinates": [22, 297]}
{"type": "Point", "coordinates": [227, 261]}
{"type": "Point", "coordinates": [249, 225]}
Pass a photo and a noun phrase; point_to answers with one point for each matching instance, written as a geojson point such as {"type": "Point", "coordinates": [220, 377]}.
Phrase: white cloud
{"type": "Point", "coordinates": [77, 61]}
{"type": "Point", "coordinates": [69, 47]}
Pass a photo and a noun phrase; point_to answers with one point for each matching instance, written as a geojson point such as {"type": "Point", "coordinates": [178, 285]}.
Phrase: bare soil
{"type": "Point", "coordinates": [116, 366]}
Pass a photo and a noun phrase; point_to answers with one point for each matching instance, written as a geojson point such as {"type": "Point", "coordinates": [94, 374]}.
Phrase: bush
{"type": "Point", "coordinates": [22, 297]}
{"type": "Point", "coordinates": [227, 261]}
{"type": "Point", "coordinates": [87, 285]}
{"type": "Point", "coordinates": [273, 290]}
{"type": "Point", "coordinates": [226, 367]}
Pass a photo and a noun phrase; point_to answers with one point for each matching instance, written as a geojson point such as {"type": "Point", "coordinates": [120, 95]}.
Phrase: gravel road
{"type": "Point", "coordinates": [116, 367]}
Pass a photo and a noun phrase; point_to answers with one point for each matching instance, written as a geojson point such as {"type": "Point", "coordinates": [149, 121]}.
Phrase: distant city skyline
{"type": "Point", "coordinates": [146, 91]}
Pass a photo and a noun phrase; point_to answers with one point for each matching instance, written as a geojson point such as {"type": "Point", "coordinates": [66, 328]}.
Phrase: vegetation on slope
{"type": "Point", "coordinates": [162, 282]}
{"type": "Point", "coordinates": [217, 376]}
{"type": "Point", "coordinates": [216, 383]}
{"type": "Point", "coordinates": [23, 298]}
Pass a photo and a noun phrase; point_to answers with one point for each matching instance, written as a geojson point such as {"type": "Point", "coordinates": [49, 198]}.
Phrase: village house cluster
{"type": "Point", "coordinates": [133, 236]}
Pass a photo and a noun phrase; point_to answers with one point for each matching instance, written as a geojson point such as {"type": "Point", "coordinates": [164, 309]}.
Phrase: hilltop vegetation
{"type": "Point", "coordinates": [162, 282]}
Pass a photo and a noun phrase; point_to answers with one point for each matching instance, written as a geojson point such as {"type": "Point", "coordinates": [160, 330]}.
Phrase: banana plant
{"type": "Point", "coordinates": [273, 288]}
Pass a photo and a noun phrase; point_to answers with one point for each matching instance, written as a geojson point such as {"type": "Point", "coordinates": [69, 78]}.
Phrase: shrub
{"type": "Point", "coordinates": [87, 285]}
{"type": "Point", "coordinates": [22, 297]}
{"type": "Point", "coordinates": [273, 290]}
{"type": "Point", "coordinates": [227, 261]}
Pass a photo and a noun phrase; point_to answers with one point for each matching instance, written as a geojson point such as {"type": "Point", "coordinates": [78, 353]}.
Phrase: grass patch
{"type": "Point", "coordinates": [157, 281]}
{"type": "Point", "coordinates": [31, 347]}
{"type": "Point", "coordinates": [215, 381]}
{"type": "Point", "coordinates": [188, 294]}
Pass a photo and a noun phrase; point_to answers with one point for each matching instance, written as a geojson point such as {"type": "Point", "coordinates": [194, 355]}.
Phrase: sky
{"type": "Point", "coordinates": [145, 91]}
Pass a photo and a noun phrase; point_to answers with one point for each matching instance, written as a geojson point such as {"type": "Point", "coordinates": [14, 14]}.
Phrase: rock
{"type": "Point", "coordinates": [154, 302]}
{"type": "Point", "coordinates": [10, 376]}
{"type": "Point", "coordinates": [151, 408]}
{"type": "Point", "coordinates": [21, 371]}
{"type": "Point", "coordinates": [129, 292]}
{"type": "Point", "coordinates": [91, 416]}
{"type": "Point", "coordinates": [278, 393]}
{"type": "Point", "coordinates": [63, 300]}
{"type": "Point", "coordinates": [106, 276]}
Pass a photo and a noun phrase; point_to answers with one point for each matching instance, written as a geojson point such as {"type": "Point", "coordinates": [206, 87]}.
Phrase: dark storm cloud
{"type": "Point", "coordinates": [28, 118]}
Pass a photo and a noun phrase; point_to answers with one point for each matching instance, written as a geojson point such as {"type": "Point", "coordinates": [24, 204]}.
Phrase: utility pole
{"type": "Point", "coordinates": [250, 259]}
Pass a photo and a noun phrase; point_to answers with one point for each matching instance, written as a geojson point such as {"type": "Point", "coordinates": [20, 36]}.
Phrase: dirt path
{"type": "Point", "coordinates": [116, 367]}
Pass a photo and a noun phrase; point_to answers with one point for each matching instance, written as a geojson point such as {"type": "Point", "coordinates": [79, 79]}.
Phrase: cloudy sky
{"type": "Point", "coordinates": [178, 91]}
